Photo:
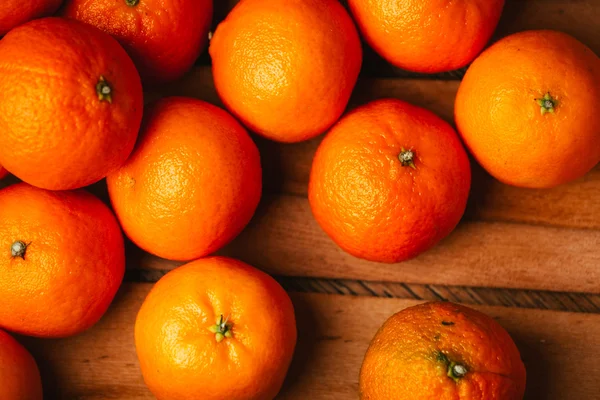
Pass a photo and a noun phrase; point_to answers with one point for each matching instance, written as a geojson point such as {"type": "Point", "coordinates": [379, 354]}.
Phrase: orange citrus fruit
{"type": "Point", "coordinates": [192, 183]}
{"type": "Point", "coordinates": [71, 105]}
{"type": "Point", "coordinates": [427, 36]}
{"type": "Point", "coordinates": [389, 181]}
{"type": "Point", "coordinates": [163, 37]}
{"type": "Point", "coordinates": [215, 329]}
{"type": "Point", "coordinates": [16, 12]}
{"type": "Point", "coordinates": [286, 68]}
{"type": "Point", "coordinates": [62, 261]}
{"type": "Point", "coordinates": [523, 109]}
{"type": "Point", "coordinates": [19, 373]}
{"type": "Point", "coordinates": [442, 351]}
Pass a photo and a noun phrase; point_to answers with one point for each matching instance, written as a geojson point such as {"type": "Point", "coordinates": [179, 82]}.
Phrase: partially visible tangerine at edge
{"type": "Point", "coordinates": [286, 68]}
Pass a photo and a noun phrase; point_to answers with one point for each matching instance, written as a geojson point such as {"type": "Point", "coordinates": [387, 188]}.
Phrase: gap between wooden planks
{"type": "Point", "coordinates": [559, 349]}
{"type": "Point", "coordinates": [510, 237]}
{"type": "Point", "coordinates": [470, 295]}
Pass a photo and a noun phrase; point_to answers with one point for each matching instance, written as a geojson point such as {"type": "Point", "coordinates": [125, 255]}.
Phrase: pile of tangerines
{"type": "Point", "coordinates": [388, 182]}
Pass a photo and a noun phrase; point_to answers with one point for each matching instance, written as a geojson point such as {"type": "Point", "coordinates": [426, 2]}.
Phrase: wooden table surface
{"type": "Point", "coordinates": [529, 258]}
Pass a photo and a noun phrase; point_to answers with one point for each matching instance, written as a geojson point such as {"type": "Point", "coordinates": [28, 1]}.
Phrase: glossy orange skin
{"type": "Point", "coordinates": [192, 183]}
{"type": "Point", "coordinates": [72, 267]}
{"type": "Point", "coordinates": [182, 360]}
{"type": "Point", "coordinates": [286, 68]}
{"type": "Point", "coordinates": [164, 38]}
{"type": "Point", "coordinates": [403, 361]}
{"type": "Point", "coordinates": [500, 121]}
{"type": "Point", "coordinates": [55, 132]}
{"type": "Point", "coordinates": [371, 205]}
{"type": "Point", "coordinates": [19, 373]}
{"type": "Point", "coordinates": [16, 12]}
{"type": "Point", "coordinates": [427, 36]}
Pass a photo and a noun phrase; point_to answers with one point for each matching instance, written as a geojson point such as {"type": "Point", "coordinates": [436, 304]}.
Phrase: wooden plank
{"type": "Point", "coordinates": [575, 17]}
{"type": "Point", "coordinates": [559, 349]}
{"type": "Point", "coordinates": [284, 239]}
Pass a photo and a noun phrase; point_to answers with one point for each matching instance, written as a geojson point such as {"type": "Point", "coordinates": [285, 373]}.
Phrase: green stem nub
{"type": "Point", "coordinates": [132, 3]}
{"type": "Point", "coordinates": [456, 371]}
{"type": "Point", "coordinates": [222, 329]}
{"type": "Point", "coordinates": [104, 90]}
{"type": "Point", "coordinates": [547, 104]}
{"type": "Point", "coordinates": [407, 158]}
{"type": "Point", "coordinates": [18, 249]}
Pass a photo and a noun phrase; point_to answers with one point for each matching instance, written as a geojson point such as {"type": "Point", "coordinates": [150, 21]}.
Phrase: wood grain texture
{"type": "Point", "coordinates": [560, 350]}
{"type": "Point", "coordinates": [284, 239]}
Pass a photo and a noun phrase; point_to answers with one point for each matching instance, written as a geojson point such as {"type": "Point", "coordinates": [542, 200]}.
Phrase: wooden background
{"type": "Point", "coordinates": [529, 258]}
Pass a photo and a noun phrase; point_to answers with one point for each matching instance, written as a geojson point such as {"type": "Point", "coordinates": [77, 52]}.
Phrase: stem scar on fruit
{"type": "Point", "coordinates": [547, 104]}
{"type": "Point", "coordinates": [104, 90]}
{"type": "Point", "coordinates": [407, 158]}
{"type": "Point", "coordinates": [454, 370]}
{"type": "Point", "coordinates": [222, 329]}
{"type": "Point", "coordinates": [18, 249]}
{"type": "Point", "coordinates": [132, 3]}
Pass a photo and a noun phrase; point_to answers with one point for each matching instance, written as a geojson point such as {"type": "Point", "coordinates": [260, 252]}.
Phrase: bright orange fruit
{"type": "Point", "coordinates": [389, 181]}
{"type": "Point", "coordinates": [442, 351]}
{"type": "Point", "coordinates": [523, 109]}
{"type": "Point", "coordinates": [163, 37]}
{"type": "Point", "coordinates": [427, 36]}
{"type": "Point", "coordinates": [19, 373]}
{"type": "Point", "coordinates": [286, 68]}
{"type": "Point", "coordinates": [62, 260]}
{"type": "Point", "coordinates": [192, 183]}
{"type": "Point", "coordinates": [72, 104]}
{"type": "Point", "coordinates": [16, 12]}
{"type": "Point", "coordinates": [215, 329]}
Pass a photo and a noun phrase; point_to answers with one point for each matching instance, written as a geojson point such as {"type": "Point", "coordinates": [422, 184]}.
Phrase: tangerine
{"type": "Point", "coordinates": [15, 12]}
{"type": "Point", "coordinates": [164, 38]}
{"type": "Point", "coordinates": [286, 68]}
{"type": "Point", "coordinates": [192, 183]}
{"type": "Point", "coordinates": [62, 261]}
{"type": "Point", "coordinates": [442, 351]}
{"type": "Point", "coordinates": [19, 373]}
{"type": "Point", "coordinates": [389, 181]}
{"type": "Point", "coordinates": [427, 36]}
{"type": "Point", "coordinates": [72, 104]}
{"type": "Point", "coordinates": [215, 329]}
{"type": "Point", "coordinates": [523, 109]}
